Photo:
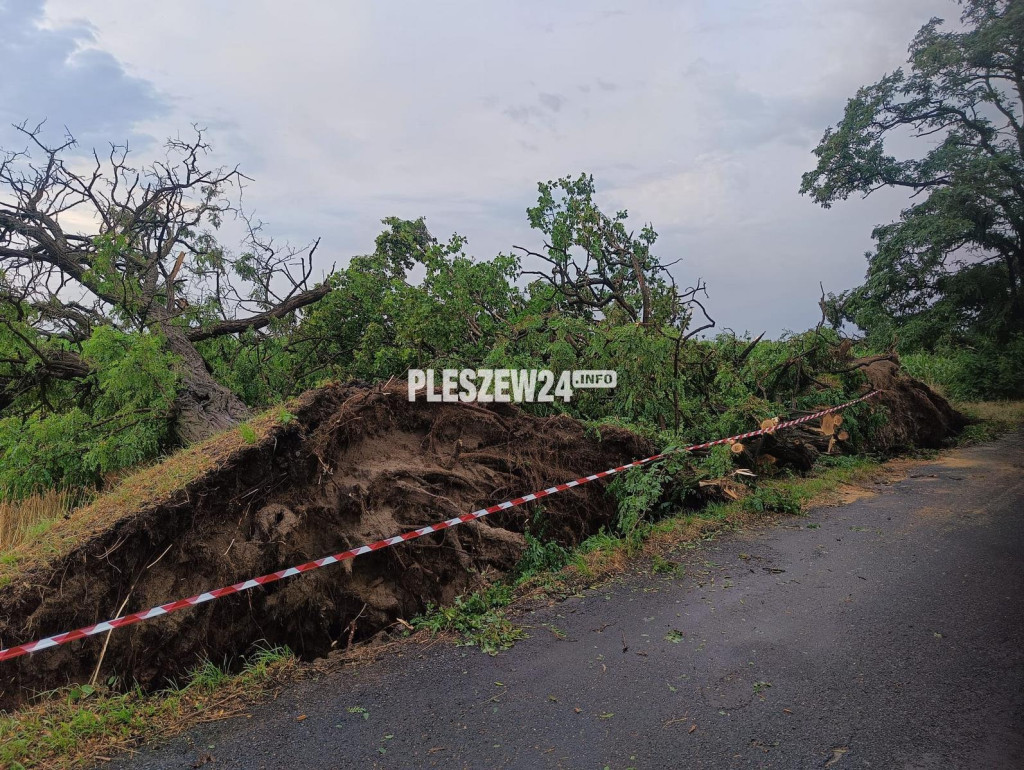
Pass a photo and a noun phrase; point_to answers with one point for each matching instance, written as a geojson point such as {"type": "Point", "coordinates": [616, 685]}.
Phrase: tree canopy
{"type": "Point", "coordinates": [950, 270]}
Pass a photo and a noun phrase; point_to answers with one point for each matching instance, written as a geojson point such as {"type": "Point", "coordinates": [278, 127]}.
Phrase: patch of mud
{"type": "Point", "coordinates": [356, 465]}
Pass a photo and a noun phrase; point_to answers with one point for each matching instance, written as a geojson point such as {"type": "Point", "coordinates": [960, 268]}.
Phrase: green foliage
{"type": "Point", "coordinates": [776, 499]}
{"type": "Point", "coordinates": [601, 541]}
{"type": "Point", "coordinates": [478, 619]}
{"type": "Point", "coordinates": [420, 302]}
{"type": "Point", "coordinates": [540, 557]}
{"type": "Point", "coordinates": [248, 433]}
{"type": "Point", "coordinates": [948, 276]}
{"type": "Point", "coordinates": [985, 371]}
{"type": "Point", "coordinates": [121, 417]}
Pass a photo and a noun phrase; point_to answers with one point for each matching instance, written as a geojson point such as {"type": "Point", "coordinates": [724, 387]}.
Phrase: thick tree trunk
{"type": "Point", "coordinates": [204, 406]}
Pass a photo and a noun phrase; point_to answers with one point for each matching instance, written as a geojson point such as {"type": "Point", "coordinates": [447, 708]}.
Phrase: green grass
{"type": "Point", "coordinates": [995, 418]}
{"type": "Point", "coordinates": [478, 619]}
{"type": "Point", "coordinates": [775, 499]}
{"type": "Point", "coordinates": [540, 557]}
{"type": "Point", "coordinates": [76, 725]}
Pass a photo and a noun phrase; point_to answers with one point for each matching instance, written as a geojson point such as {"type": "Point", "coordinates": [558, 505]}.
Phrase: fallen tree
{"type": "Point", "coordinates": [110, 246]}
{"type": "Point", "coordinates": [342, 466]}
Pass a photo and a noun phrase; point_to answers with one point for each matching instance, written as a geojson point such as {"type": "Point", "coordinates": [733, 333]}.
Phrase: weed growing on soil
{"type": "Point", "coordinates": [74, 725]}
{"type": "Point", "coordinates": [776, 499]}
{"type": "Point", "coordinates": [478, 619]}
{"type": "Point", "coordinates": [540, 557]}
{"type": "Point", "coordinates": [650, 493]}
{"type": "Point", "coordinates": [248, 434]}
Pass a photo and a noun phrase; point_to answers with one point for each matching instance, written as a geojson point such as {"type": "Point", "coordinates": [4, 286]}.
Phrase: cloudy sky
{"type": "Point", "coordinates": [697, 116]}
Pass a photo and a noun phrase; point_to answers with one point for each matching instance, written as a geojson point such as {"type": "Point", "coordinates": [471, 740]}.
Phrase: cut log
{"type": "Point", "coordinates": [723, 490]}
{"type": "Point", "coordinates": [788, 449]}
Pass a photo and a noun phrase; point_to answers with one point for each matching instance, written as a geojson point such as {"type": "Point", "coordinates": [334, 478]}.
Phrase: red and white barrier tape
{"type": "Point", "coordinates": [217, 593]}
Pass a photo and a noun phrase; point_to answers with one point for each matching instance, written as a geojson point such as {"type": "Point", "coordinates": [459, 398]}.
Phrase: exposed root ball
{"type": "Point", "coordinates": [918, 416]}
{"type": "Point", "coordinates": [356, 465]}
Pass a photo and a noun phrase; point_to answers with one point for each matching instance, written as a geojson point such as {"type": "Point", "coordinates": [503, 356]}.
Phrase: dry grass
{"type": "Point", "coordinates": [994, 411]}
{"type": "Point", "coordinates": [994, 418]}
{"type": "Point", "coordinates": [22, 520]}
{"type": "Point", "coordinates": [136, 493]}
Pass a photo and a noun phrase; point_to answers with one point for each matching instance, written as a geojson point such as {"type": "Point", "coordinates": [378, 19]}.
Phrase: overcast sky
{"type": "Point", "coordinates": [696, 116]}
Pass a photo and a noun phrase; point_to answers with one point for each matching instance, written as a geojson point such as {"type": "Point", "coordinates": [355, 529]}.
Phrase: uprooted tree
{"type": "Point", "coordinates": [95, 254]}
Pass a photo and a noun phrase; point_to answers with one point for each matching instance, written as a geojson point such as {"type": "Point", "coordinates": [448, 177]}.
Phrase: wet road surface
{"type": "Point", "coordinates": [886, 633]}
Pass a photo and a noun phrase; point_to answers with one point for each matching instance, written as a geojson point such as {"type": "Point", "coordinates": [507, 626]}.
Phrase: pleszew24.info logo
{"type": "Point", "coordinates": [505, 385]}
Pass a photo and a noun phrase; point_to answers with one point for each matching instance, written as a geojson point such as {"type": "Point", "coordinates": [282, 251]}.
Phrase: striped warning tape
{"type": "Point", "coordinates": [217, 593]}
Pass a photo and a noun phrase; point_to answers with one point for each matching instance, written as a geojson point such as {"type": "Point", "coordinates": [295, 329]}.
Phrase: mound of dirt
{"type": "Point", "coordinates": [918, 417]}
{"type": "Point", "coordinates": [355, 465]}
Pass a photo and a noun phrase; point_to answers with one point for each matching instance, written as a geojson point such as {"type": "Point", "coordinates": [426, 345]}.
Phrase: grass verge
{"type": "Point", "coordinates": [994, 418]}
{"type": "Point", "coordinates": [83, 724]}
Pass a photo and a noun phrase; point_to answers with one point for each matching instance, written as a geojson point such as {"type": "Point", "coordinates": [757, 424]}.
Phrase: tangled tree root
{"type": "Point", "coordinates": [355, 465]}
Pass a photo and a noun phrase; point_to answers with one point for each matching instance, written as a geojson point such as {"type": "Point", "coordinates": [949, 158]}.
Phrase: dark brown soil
{"type": "Point", "coordinates": [918, 417]}
{"type": "Point", "coordinates": [356, 465]}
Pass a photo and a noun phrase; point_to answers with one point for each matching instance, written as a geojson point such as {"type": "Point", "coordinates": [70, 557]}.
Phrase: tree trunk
{"type": "Point", "coordinates": [204, 406]}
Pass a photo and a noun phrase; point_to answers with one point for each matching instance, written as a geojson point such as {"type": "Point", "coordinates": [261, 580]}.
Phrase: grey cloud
{"type": "Point", "coordinates": [532, 114]}
{"type": "Point", "coordinates": [61, 79]}
{"type": "Point", "coordinates": [523, 113]}
{"type": "Point", "coordinates": [553, 102]}
{"type": "Point", "coordinates": [455, 112]}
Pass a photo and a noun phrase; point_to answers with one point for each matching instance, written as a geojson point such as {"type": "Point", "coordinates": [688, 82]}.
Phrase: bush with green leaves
{"type": "Point", "coordinates": [984, 371]}
{"type": "Point", "coordinates": [477, 618]}
{"type": "Point", "coordinates": [118, 418]}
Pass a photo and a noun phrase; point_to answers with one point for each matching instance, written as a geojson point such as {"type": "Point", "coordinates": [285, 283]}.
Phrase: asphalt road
{"type": "Point", "coordinates": [887, 633]}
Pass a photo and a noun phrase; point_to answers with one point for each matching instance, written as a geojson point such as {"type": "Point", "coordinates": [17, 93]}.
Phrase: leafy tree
{"type": "Point", "coordinates": [100, 246]}
{"type": "Point", "coordinates": [121, 418]}
{"type": "Point", "coordinates": [597, 266]}
{"type": "Point", "coordinates": [952, 267]}
{"type": "Point", "coordinates": [607, 279]}
{"type": "Point", "coordinates": [377, 322]}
